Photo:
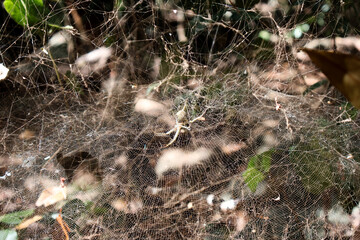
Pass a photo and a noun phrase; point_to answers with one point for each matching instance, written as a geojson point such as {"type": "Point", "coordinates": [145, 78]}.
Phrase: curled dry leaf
{"type": "Point", "coordinates": [27, 135]}
{"type": "Point", "coordinates": [342, 70]}
{"type": "Point", "coordinates": [52, 195]}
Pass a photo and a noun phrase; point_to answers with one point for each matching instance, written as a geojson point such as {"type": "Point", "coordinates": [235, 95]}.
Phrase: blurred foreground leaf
{"type": "Point", "coordinates": [25, 12]}
{"type": "Point", "coordinates": [343, 71]}
{"type": "Point", "coordinates": [8, 234]}
{"type": "Point", "coordinates": [16, 217]}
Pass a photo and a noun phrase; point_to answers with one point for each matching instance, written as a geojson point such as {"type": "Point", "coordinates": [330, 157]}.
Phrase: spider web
{"type": "Point", "coordinates": [274, 156]}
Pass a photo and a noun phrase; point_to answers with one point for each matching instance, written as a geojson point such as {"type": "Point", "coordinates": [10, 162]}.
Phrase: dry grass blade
{"type": "Point", "coordinates": [27, 222]}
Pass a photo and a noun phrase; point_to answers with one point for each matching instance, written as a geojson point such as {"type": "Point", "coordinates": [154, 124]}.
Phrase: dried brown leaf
{"type": "Point", "coordinates": [52, 195]}
{"type": "Point", "coordinates": [342, 70]}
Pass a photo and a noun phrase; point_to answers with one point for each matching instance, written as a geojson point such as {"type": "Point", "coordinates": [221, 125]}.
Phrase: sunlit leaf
{"type": "Point", "coordinates": [25, 12]}
{"type": "Point", "coordinates": [343, 71]}
{"type": "Point", "coordinates": [15, 217]}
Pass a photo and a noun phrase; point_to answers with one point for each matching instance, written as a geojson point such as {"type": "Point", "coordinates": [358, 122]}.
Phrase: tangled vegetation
{"type": "Point", "coordinates": [159, 119]}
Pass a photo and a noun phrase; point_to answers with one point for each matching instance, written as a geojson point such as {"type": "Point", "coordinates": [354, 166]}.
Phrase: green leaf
{"type": "Point", "coordinates": [261, 162]}
{"type": "Point", "coordinates": [25, 12]}
{"type": "Point", "coordinates": [8, 234]}
{"type": "Point", "coordinates": [257, 167]}
{"type": "Point", "coordinates": [266, 160]}
{"type": "Point", "coordinates": [252, 178]}
{"type": "Point", "coordinates": [16, 217]}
